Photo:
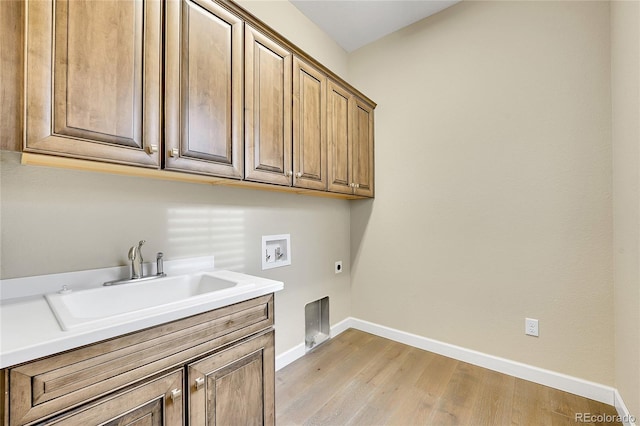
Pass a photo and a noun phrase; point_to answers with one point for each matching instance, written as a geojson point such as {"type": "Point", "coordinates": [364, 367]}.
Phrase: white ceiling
{"type": "Point", "coordinates": [354, 23]}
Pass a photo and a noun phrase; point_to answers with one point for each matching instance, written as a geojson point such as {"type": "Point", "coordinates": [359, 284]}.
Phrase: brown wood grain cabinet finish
{"type": "Point", "coordinates": [268, 74]}
{"type": "Point", "coordinates": [339, 126]}
{"type": "Point", "coordinates": [309, 126]}
{"type": "Point", "coordinates": [11, 73]}
{"type": "Point", "coordinates": [351, 144]}
{"type": "Point", "coordinates": [235, 386]}
{"type": "Point", "coordinates": [52, 385]}
{"type": "Point", "coordinates": [362, 158]}
{"type": "Point", "coordinates": [156, 403]}
{"type": "Point", "coordinates": [203, 89]}
{"type": "Point", "coordinates": [231, 98]}
{"type": "Point", "coordinates": [93, 80]}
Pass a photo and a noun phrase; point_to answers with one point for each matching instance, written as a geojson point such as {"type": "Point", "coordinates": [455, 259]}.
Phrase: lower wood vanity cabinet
{"type": "Point", "coordinates": [139, 378]}
{"type": "Point", "coordinates": [234, 386]}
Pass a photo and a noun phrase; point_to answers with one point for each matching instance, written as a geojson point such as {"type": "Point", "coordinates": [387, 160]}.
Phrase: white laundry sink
{"type": "Point", "coordinates": [130, 301]}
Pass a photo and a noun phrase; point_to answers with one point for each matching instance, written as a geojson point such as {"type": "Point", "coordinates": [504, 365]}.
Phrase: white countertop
{"type": "Point", "coordinates": [29, 329]}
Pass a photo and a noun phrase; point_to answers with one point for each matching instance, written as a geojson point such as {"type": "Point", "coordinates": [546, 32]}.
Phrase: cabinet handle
{"type": "Point", "coordinates": [174, 152]}
{"type": "Point", "coordinates": [299, 174]}
{"type": "Point", "coordinates": [175, 394]}
{"type": "Point", "coordinates": [199, 382]}
{"type": "Point", "coordinates": [152, 149]}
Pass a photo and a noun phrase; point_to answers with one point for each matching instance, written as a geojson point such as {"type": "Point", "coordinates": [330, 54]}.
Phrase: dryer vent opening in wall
{"type": "Point", "coordinates": [316, 315]}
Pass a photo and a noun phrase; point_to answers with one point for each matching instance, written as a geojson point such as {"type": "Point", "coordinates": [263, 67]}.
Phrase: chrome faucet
{"type": "Point", "coordinates": [137, 270]}
{"type": "Point", "coordinates": [135, 256]}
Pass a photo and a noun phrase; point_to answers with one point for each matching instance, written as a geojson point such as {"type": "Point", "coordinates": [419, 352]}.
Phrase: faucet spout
{"type": "Point", "coordinates": [135, 256]}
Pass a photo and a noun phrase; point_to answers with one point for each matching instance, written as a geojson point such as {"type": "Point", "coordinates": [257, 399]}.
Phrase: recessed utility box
{"type": "Point", "coordinates": [316, 318]}
{"type": "Point", "coordinates": [276, 251]}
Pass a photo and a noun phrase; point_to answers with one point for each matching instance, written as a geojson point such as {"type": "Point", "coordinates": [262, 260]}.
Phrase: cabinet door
{"type": "Point", "coordinates": [203, 87]}
{"type": "Point", "coordinates": [93, 79]}
{"type": "Point", "coordinates": [155, 403]}
{"type": "Point", "coordinates": [268, 71]}
{"type": "Point", "coordinates": [362, 159]}
{"type": "Point", "coordinates": [309, 126]}
{"type": "Point", "coordinates": [340, 136]}
{"type": "Point", "coordinates": [235, 386]}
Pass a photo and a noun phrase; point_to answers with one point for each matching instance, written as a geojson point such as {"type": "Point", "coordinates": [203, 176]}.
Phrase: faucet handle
{"type": "Point", "coordinates": [159, 265]}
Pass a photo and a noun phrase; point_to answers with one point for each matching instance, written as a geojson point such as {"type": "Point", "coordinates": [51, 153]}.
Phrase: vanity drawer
{"type": "Point", "coordinates": [51, 385]}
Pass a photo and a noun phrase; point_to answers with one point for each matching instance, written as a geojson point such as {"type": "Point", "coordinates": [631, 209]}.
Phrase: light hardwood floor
{"type": "Point", "coordinates": [361, 379]}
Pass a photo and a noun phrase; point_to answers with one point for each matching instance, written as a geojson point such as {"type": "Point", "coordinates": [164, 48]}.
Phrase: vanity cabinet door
{"type": "Point", "coordinates": [155, 403]}
{"type": "Point", "coordinates": [235, 386]}
{"type": "Point", "coordinates": [93, 80]}
{"type": "Point", "coordinates": [268, 74]}
{"type": "Point", "coordinates": [203, 89]}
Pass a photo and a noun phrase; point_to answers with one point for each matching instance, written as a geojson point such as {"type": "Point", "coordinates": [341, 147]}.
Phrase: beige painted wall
{"type": "Point", "coordinates": [493, 173]}
{"type": "Point", "coordinates": [59, 220]}
{"type": "Point", "coordinates": [625, 93]}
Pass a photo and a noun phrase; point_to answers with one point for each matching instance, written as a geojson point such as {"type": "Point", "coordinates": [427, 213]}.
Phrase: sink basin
{"type": "Point", "coordinates": [106, 305]}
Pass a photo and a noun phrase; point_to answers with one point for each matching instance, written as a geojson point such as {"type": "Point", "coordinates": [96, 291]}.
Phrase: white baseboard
{"type": "Point", "coordinates": [299, 350]}
{"type": "Point", "coordinates": [626, 417]}
{"type": "Point", "coordinates": [574, 385]}
{"type": "Point", "coordinates": [289, 356]}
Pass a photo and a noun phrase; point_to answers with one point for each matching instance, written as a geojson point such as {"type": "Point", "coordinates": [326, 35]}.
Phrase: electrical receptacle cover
{"type": "Point", "coordinates": [531, 327]}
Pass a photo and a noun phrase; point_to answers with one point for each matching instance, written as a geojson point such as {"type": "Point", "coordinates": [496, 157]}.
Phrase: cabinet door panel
{"type": "Point", "coordinates": [309, 126]}
{"type": "Point", "coordinates": [203, 89]}
{"type": "Point", "coordinates": [93, 79]}
{"type": "Point", "coordinates": [234, 386]}
{"type": "Point", "coordinates": [363, 162]}
{"type": "Point", "coordinates": [268, 72]}
{"type": "Point", "coordinates": [339, 145]}
{"type": "Point", "coordinates": [150, 404]}
{"type": "Point", "coordinates": [98, 95]}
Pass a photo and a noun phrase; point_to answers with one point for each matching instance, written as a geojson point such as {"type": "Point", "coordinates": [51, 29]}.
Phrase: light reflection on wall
{"type": "Point", "coordinates": [200, 231]}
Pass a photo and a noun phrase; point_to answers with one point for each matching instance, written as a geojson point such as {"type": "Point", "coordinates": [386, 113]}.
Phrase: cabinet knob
{"type": "Point", "coordinates": [299, 174]}
{"type": "Point", "coordinates": [290, 173]}
{"type": "Point", "coordinates": [199, 382]}
{"type": "Point", "coordinates": [353, 185]}
{"type": "Point", "coordinates": [357, 185]}
{"type": "Point", "coordinates": [174, 152]}
{"type": "Point", "coordinates": [152, 149]}
{"type": "Point", "coordinates": [175, 394]}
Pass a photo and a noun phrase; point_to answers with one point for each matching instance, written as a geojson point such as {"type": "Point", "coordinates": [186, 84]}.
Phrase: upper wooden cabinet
{"type": "Point", "coordinates": [203, 88]}
{"type": "Point", "coordinates": [309, 126]}
{"type": "Point", "coordinates": [197, 86]}
{"type": "Point", "coordinates": [268, 73]}
{"type": "Point", "coordinates": [93, 80]}
{"type": "Point", "coordinates": [350, 143]}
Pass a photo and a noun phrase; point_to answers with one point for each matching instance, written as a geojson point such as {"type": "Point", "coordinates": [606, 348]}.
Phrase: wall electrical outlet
{"type": "Point", "coordinates": [338, 267]}
{"type": "Point", "coordinates": [531, 327]}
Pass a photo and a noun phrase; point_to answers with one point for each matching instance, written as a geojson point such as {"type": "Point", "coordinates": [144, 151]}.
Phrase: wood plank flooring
{"type": "Point", "coordinates": [360, 379]}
